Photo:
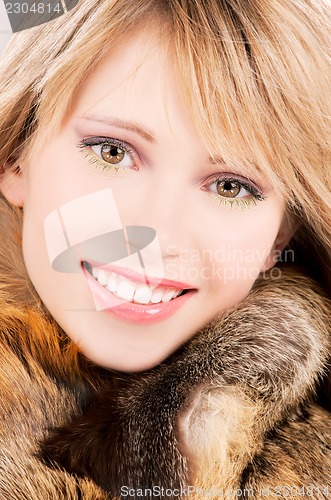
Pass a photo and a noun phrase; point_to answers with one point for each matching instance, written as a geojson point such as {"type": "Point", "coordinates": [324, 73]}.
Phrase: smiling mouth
{"type": "Point", "coordinates": [131, 291]}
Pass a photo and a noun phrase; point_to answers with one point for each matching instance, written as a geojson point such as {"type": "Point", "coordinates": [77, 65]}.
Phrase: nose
{"type": "Point", "coordinates": [164, 207]}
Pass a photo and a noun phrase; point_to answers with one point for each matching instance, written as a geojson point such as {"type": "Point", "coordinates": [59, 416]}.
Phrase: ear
{"type": "Point", "coordinates": [12, 184]}
{"type": "Point", "coordinates": [287, 229]}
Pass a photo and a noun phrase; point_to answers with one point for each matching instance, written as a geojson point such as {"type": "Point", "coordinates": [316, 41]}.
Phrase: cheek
{"type": "Point", "coordinates": [237, 255]}
{"type": "Point", "coordinates": [48, 186]}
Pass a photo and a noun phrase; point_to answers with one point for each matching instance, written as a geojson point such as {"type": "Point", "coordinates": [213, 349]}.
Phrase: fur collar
{"type": "Point", "coordinates": [225, 412]}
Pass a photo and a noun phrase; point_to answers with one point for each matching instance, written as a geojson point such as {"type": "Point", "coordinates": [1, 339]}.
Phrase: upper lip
{"type": "Point", "coordinates": [139, 278]}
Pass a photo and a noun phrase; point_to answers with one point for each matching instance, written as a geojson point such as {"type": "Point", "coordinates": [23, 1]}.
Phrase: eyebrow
{"type": "Point", "coordinates": [216, 160]}
{"type": "Point", "coordinates": [123, 124]}
{"type": "Point", "coordinates": [140, 130]}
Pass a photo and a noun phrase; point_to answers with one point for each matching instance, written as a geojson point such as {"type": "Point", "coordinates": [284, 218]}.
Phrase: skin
{"type": "Point", "coordinates": [213, 244]}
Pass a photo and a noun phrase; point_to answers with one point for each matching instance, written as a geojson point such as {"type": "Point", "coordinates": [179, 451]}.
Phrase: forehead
{"type": "Point", "coordinates": [129, 76]}
{"type": "Point", "coordinates": [140, 79]}
{"type": "Point", "coordinates": [136, 82]}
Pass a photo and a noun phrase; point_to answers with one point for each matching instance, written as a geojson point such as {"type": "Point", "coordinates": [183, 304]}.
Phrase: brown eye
{"type": "Point", "coordinates": [229, 189]}
{"type": "Point", "coordinates": [112, 153]}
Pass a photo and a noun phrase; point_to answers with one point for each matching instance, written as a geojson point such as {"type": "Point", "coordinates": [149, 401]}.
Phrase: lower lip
{"type": "Point", "coordinates": [132, 312]}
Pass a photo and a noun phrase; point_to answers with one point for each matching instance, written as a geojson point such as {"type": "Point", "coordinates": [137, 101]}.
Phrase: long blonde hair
{"type": "Point", "coordinates": [255, 74]}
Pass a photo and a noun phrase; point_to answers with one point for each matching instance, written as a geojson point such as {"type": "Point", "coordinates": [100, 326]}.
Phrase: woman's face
{"type": "Point", "coordinates": [128, 154]}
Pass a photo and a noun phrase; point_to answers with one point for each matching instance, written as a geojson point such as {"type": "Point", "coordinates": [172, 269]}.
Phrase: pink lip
{"type": "Point", "coordinates": [139, 278]}
{"type": "Point", "coordinates": [129, 311]}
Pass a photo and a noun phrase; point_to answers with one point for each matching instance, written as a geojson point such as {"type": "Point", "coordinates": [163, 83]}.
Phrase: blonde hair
{"type": "Point", "coordinates": [255, 74]}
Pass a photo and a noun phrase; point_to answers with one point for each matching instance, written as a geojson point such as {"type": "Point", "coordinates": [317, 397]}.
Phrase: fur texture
{"type": "Point", "coordinates": [231, 412]}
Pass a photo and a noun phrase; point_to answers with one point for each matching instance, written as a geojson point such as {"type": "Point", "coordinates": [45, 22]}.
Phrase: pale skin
{"type": "Point", "coordinates": [169, 185]}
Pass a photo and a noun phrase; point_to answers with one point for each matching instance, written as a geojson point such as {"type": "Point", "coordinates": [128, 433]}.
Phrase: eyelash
{"type": "Point", "coordinates": [86, 144]}
{"type": "Point", "coordinates": [256, 195]}
{"type": "Point", "coordinates": [242, 202]}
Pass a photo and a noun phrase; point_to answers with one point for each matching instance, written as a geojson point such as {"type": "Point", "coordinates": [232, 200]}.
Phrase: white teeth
{"type": "Point", "coordinates": [126, 290]}
{"type": "Point", "coordinates": [143, 294]}
{"type": "Point", "coordinates": [168, 295]}
{"type": "Point", "coordinates": [133, 292]}
{"type": "Point", "coordinates": [112, 283]}
{"type": "Point", "coordinates": [103, 277]}
{"type": "Point", "coordinates": [157, 296]}
{"type": "Point", "coordinates": [95, 272]}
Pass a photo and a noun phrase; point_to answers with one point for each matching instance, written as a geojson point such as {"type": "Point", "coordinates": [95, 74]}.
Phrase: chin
{"type": "Point", "coordinates": [125, 362]}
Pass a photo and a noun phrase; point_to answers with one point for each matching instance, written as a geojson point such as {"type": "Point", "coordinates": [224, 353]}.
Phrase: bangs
{"type": "Point", "coordinates": [257, 105]}
{"type": "Point", "coordinates": [93, 29]}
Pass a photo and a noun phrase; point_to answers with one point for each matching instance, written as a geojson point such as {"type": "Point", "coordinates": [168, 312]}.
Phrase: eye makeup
{"type": "Point", "coordinates": [121, 155]}
{"type": "Point", "coordinates": [114, 155]}
{"type": "Point", "coordinates": [246, 192]}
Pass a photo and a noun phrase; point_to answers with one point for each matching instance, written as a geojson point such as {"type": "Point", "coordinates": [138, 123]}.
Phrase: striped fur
{"type": "Point", "coordinates": [232, 411]}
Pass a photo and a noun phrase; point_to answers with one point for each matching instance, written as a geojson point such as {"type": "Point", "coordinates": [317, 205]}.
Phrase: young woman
{"type": "Point", "coordinates": [166, 156]}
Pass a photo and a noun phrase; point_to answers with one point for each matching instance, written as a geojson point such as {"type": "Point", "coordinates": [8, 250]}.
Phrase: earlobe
{"type": "Point", "coordinates": [12, 184]}
{"type": "Point", "coordinates": [288, 228]}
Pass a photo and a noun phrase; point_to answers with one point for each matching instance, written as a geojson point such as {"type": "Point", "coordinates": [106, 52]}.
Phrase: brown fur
{"type": "Point", "coordinates": [231, 410]}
